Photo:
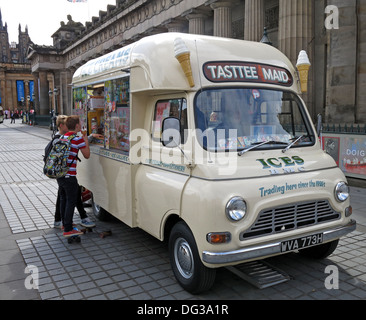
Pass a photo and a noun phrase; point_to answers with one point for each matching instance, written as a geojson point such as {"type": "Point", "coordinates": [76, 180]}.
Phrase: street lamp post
{"type": "Point", "coordinates": [53, 112]}
{"type": "Point", "coordinates": [22, 111]}
{"type": "Point", "coordinates": [28, 108]}
{"type": "Point", "coordinates": [50, 95]}
{"type": "Point", "coordinates": [56, 92]}
{"type": "Point", "coordinates": [265, 38]}
{"type": "Point", "coordinates": [34, 109]}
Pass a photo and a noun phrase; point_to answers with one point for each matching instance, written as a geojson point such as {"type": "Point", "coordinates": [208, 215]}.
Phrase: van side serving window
{"type": "Point", "coordinates": [232, 119]}
{"type": "Point", "coordinates": [104, 108]}
{"type": "Point", "coordinates": [170, 108]}
{"type": "Point", "coordinates": [79, 107]}
{"type": "Point", "coordinates": [117, 113]}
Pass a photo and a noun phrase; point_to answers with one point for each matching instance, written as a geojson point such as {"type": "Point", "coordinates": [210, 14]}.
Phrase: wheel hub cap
{"type": "Point", "coordinates": [184, 258]}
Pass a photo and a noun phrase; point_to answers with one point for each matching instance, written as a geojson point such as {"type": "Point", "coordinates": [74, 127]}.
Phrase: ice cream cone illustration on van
{"type": "Point", "coordinates": [183, 56]}
{"type": "Point", "coordinates": [303, 65]}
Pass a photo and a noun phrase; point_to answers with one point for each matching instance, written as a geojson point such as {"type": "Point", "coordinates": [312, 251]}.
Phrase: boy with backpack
{"type": "Point", "coordinates": [68, 185]}
{"type": "Point", "coordinates": [85, 221]}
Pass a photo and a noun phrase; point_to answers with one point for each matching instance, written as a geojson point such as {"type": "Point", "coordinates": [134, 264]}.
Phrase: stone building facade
{"type": "Point", "coordinates": [334, 39]}
{"type": "Point", "coordinates": [15, 70]}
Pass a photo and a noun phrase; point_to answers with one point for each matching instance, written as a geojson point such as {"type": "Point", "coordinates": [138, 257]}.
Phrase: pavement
{"type": "Point", "coordinates": [36, 263]}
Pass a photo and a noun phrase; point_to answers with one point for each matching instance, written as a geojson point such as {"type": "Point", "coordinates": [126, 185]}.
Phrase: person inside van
{"type": "Point", "coordinates": [235, 120]}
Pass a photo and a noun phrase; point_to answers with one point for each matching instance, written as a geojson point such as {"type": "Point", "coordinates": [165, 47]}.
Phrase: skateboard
{"type": "Point", "coordinates": [102, 233]}
{"type": "Point", "coordinates": [73, 239]}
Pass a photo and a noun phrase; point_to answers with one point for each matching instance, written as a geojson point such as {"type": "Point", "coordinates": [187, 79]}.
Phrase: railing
{"type": "Point", "coordinates": [345, 128]}
{"type": "Point", "coordinates": [346, 143]}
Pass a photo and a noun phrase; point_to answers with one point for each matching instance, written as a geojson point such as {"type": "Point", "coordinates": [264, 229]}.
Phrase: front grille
{"type": "Point", "coordinates": [290, 217]}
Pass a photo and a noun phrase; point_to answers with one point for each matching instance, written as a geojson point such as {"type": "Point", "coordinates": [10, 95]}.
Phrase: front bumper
{"type": "Point", "coordinates": [269, 249]}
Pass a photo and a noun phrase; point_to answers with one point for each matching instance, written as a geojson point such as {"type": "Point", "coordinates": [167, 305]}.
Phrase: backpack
{"type": "Point", "coordinates": [56, 165]}
{"type": "Point", "coordinates": [49, 146]}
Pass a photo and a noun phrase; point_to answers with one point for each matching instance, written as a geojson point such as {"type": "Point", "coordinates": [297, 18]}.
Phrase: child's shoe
{"type": "Point", "coordinates": [73, 232]}
{"type": "Point", "coordinates": [73, 225]}
{"type": "Point", "coordinates": [57, 224]}
{"type": "Point", "coordinates": [87, 223]}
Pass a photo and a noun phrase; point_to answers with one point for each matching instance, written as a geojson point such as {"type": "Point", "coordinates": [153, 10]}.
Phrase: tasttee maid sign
{"type": "Point", "coordinates": [234, 71]}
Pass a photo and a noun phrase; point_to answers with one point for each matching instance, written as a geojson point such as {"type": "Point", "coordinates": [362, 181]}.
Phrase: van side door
{"type": "Point", "coordinates": [161, 177]}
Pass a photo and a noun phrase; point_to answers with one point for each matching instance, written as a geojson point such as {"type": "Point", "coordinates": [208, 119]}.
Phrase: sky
{"type": "Point", "coordinates": [43, 17]}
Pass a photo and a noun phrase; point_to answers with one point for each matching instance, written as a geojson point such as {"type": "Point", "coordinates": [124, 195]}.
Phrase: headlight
{"type": "Point", "coordinates": [341, 191]}
{"type": "Point", "coordinates": [236, 209]}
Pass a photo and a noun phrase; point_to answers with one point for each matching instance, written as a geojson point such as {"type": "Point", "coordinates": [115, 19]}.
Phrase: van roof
{"type": "Point", "coordinates": [153, 59]}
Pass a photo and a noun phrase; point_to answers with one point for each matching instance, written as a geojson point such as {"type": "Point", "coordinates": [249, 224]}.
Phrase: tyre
{"type": "Point", "coordinates": [320, 251]}
{"type": "Point", "coordinates": [99, 212]}
{"type": "Point", "coordinates": [187, 267]}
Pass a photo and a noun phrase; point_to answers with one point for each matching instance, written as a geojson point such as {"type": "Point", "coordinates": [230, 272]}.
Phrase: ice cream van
{"type": "Point", "coordinates": [209, 146]}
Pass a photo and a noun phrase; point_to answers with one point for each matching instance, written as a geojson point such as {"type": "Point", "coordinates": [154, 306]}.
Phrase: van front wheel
{"type": "Point", "coordinates": [187, 267]}
{"type": "Point", "coordinates": [321, 251]}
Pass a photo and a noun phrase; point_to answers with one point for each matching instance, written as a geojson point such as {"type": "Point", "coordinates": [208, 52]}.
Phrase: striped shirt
{"type": "Point", "coordinates": [76, 144]}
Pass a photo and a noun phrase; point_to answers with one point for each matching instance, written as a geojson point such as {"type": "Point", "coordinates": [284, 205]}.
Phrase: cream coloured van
{"type": "Point", "coordinates": [208, 145]}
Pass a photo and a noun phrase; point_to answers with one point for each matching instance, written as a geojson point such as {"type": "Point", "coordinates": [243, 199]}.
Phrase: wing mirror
{"type": "Point", "coordinates": [170, 137]}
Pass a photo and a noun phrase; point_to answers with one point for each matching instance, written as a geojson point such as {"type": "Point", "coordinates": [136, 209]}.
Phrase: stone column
{"type": "Point", "coordinates": [222, 18]}
{"type": "Point", "coordinates": [196, 19]}
{"type": "Point", "coordinates": [36, 93]}
{"type": "Point", "coordinates": [26, 94]}
{"type": "Point", "coordinates": [295, 27]}
{"type": "Point", "coordinates": [65, 92]}
{"type": "Point", "coordinates": [57, 99]}
{"type": "Point", "coordinates": [3, 90]}
{"type": "Point", "coordinates": [361, 65]}
{"type": "Point", "coordinates": [253, 20]}
{"type": "Point", "coordinates": [295, 34]}
{"type": "Point", "coordinates": [175, 25]}
{"type": "Point", "coordinates": [343, 66]}
{"type": "Point", "coordinates": [196, 23]}
{"type": "Point", "coordinates": [44, 107]}
{"type": "Point", "coordinates": [13, 94]}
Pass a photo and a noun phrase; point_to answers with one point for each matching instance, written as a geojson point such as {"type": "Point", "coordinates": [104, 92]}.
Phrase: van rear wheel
{"type": "Point", "coordinates": [99, 212]}
{"type": "Point", "coordinates": [187, 267]}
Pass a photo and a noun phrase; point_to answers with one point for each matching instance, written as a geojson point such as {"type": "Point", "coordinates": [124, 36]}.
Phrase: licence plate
{"type": "Point", "coordinates": [300, 243]}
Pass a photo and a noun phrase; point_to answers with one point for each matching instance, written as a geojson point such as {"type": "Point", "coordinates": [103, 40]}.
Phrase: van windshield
{"type": "Point", "coordinates": [235, 119]}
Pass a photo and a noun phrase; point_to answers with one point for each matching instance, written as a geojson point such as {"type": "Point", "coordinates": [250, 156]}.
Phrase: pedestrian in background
{"type": "Point", "coordinates": [12, 116]}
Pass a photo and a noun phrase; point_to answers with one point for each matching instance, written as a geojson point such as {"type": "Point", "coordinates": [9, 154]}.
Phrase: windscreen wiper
{"type": "Point", "coordinates": [292, 143]}
{"type": "Point", "coordinates": [257, 145]}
